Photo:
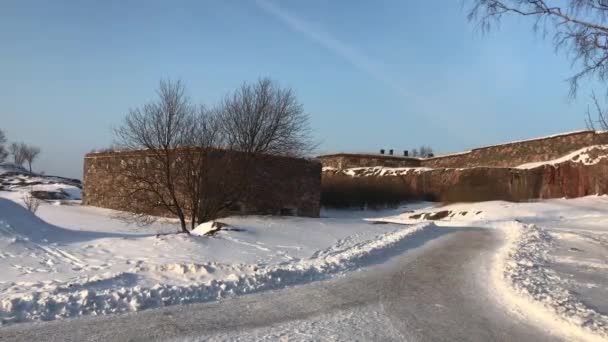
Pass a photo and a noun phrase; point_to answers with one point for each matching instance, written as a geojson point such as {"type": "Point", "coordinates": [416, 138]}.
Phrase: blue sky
{"type": "Point", "coordinates": [372, 74]}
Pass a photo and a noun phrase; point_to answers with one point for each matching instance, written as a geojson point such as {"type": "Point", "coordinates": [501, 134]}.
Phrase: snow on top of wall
{"type": "Point", "coordinates": [584, 155]}
{"type": "Point", "coordinates": [579, 156]}
{"type": "Point", "coordinates": [382, 171]}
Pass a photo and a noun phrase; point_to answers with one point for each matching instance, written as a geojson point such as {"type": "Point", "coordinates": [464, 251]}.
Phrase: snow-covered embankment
{"type": "Point", "coordinates": [527, 283]}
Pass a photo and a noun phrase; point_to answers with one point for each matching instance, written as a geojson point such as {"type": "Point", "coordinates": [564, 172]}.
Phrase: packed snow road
{"type": "Point", "coordinates": [434, 292]}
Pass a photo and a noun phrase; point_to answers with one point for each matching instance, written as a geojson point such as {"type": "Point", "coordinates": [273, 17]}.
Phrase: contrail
{"type": "Point", "coordinates": [369, 67]}
{"type": "Point", "coordinates": [350, 54]}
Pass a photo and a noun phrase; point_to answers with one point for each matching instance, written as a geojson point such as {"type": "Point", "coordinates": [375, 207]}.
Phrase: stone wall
{"type": "Point", "coordinates": [275, 185]}
{"type": "Point", "coordinates": [568, 179]}
{"type": "Point", "coordinates": [517, 153]}
{"type": "Point", "coordinates": [349, 160]}
{"type": "Point", "coordinates": [504, 155]}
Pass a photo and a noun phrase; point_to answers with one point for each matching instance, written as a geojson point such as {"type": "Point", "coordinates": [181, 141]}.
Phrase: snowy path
{"type": "Point", "coordinates": [434, 292]}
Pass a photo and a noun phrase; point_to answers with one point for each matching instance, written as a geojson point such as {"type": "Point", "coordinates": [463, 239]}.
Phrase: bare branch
{"type": "Point", "coordinates": [601, 115]}
{"type": "Point", "coordinates": [161, 128]}
{"type": "Point", "coordinates": [580, 29]}
{"type": "Point", "coordinates": [3, 151]}
{"type": "Point", "coordinates": [265, 118]}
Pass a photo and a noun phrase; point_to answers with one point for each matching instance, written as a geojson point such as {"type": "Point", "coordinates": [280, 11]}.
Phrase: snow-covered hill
{"type": "Point", "coordinates": [16, 179]}
{"type": "Point", "coordinates": [10, 168]}
{"type": "Point", "coordinates": [73, 260]}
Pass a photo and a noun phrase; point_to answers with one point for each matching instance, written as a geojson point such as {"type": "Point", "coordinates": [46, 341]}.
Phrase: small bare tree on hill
{"type": "Point", "coordinates": [17, 150]}
{"type": "Point", "coordinates": [422, 152]}
{"type": "Point", "coordinates": [30, 153]}
{"type": "Point", "coordinates": [3, 152]}
{"type": "Point", "coordinates": [425, 151]}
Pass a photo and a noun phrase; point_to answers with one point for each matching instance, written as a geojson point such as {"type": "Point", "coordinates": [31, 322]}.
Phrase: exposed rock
{"type": "Point", "coordinates": [50, 195]}
{"type": "Point", "coordinates": [437, 215]}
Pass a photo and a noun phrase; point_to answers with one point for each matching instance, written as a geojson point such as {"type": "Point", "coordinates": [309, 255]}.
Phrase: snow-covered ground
{"type": "Point", "coordinates": [71, 260]}
{"type": "Point", "coordinates": [16, 179]}
{"type": "Point", "coordinates": [554, 267]}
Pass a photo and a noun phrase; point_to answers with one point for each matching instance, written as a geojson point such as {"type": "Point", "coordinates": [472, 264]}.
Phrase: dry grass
{"type": "Point", "coordinates": [31, 203]}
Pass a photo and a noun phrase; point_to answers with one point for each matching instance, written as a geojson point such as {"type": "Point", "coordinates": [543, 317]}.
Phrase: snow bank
{"type": "Point", "coordinates": [525, 280]}
{"type": "Point", "coordinates": [50, 187]}
{"type": "Point", "coordinates": [70, 300]}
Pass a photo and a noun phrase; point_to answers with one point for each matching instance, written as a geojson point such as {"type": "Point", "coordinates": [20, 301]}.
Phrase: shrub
{"type": "Point", "coordinates": [31, 203]}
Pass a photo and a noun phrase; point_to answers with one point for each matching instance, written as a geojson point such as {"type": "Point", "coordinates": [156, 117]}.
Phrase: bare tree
{"type": "Point", "coordinates": [578, 26]}
{"type": "Point", "coordinates": [3, 152]}
{"type": "Point", "coordinates": [18, 151]}
{"type": "Point", "coordinates": [30, 153]}
{"type": "Point", "coordinates": [415, 152]}
{"type": "Point", "coordinates": [425, 151]}
{"type": "Point", "coordinates": [213, 177]}
{"type": "Point", "coordinates": [194, 163]}
{"type": "Point", "coordinates": [184, 172]}
{"type": "Point", "coordinates": [161, 128]}
{"type": "Point", "coordinates": [265, 118]}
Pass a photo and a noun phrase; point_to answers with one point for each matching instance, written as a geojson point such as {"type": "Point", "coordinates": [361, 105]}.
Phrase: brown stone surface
{"type": "Point", "coordinates": [504, 155]}
{"type": "Point", "coordinates": [348, 160]}
{"type": "Point", "coordinates": [481, 174]}
{"type": "Point", "coordinates": [276, 185]}
{"type": "Point", "coordinates": [568, 179]}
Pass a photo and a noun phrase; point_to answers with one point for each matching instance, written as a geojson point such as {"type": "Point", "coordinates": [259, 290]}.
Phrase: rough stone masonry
{"type": "Point", "coordinates": [482, 174]}
{"type": "Point", "coordinates": [275, 185]}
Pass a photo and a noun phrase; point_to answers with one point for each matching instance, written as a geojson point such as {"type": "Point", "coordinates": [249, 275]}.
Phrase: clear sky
{"type": "Point", "coordinates": [372, 74]}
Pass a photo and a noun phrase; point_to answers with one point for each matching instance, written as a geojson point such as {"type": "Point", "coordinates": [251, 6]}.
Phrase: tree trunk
{"type": "Point", "coordinates": [30, 166]}
{"type": "Point", "coordinates": [192, 220]}
{"type": "Point", "coordinates": [182, 221]}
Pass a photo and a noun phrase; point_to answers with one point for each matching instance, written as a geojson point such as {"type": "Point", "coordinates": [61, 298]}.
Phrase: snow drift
{"type": "Point", "coordinates": [100, 295]}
